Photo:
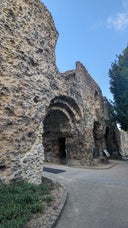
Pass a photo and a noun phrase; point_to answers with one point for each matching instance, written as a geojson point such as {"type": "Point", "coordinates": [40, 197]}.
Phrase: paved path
{"type": "Point", "coordinates": [97, 198]}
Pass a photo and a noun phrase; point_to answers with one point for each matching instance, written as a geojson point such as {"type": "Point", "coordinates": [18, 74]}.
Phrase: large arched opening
{"type": "Point", "coordinates": [59, 129]}
{"type": "Point", "coordinates": [112, 140]}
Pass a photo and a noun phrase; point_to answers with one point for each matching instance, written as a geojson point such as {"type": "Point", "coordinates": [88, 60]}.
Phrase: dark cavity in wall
{"type": "Point", "coordinates": [62, 149]}
{"type": "Point", "coordinates": [56, 130]}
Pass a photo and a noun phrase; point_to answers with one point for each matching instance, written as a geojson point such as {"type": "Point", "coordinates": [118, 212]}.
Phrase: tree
{"type": "Point", "coordinates": [119, 87]}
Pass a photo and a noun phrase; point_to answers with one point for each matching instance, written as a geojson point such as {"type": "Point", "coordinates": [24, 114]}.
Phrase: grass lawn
{"type": "Point", "coordinates": [19, 200]}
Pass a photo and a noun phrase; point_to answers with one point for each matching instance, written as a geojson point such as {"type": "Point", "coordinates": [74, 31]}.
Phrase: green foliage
{"type": "Point", "coordinates": [119, 88]}
{"type": "Point", "coordinates": [19, 200]}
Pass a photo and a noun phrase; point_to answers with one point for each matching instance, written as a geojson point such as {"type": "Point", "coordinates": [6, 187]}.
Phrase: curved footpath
{"type": "Point", "coordinates": [97, 196]}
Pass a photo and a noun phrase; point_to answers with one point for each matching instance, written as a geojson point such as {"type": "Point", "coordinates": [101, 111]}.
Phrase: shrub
{"type": "Point", "coordinates": [19, 200]}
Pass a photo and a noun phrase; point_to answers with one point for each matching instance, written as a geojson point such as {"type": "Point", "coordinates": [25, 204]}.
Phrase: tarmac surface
{"type": "Point", "coordinates": [97, 197]}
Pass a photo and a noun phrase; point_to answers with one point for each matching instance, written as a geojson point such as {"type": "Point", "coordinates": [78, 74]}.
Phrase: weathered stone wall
{"type": "Point", "coordinates": [80, 139]}
{"type": "Point", "coordinates": [111, 131]}
{"type": "Point", "coordinates": [27, 72]}
{"type": "Point", "coordinates": [124, 142]}
{"type": "Point", "coordinates": [42, 111]}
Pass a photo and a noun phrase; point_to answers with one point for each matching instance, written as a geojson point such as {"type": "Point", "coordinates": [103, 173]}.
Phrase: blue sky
{"type": "Point", "coordinates": [92, 32]}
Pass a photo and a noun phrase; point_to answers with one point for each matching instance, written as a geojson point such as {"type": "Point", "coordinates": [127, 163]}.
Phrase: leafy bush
{"type": "Point", "coordinates": [19, 200]}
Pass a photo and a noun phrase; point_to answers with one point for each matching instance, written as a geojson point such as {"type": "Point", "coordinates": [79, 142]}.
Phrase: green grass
{"type": "Point", "coordinates": [19, 200]}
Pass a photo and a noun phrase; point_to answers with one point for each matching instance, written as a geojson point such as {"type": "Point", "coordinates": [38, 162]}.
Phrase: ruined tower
{"type": "Point", "coordinates": [27, 70]}
{"type": "Point", "coordinates": [43, 113]}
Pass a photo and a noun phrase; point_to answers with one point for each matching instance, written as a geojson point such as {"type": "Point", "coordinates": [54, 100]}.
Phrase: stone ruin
{"type": "Point", "coordinates": [45, 114]}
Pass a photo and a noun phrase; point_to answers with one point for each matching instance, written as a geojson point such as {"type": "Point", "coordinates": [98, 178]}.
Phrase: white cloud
{"type": "Point", "coordinates": [119, 22]}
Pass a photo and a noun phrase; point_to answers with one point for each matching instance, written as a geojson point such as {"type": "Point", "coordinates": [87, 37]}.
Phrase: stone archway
{"type": "Point", "coordinates": [60, 129]}
{"type": "Point", "coordinates": [56, 129]}
{"type": "Point", "coordinates": [112, 140]}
